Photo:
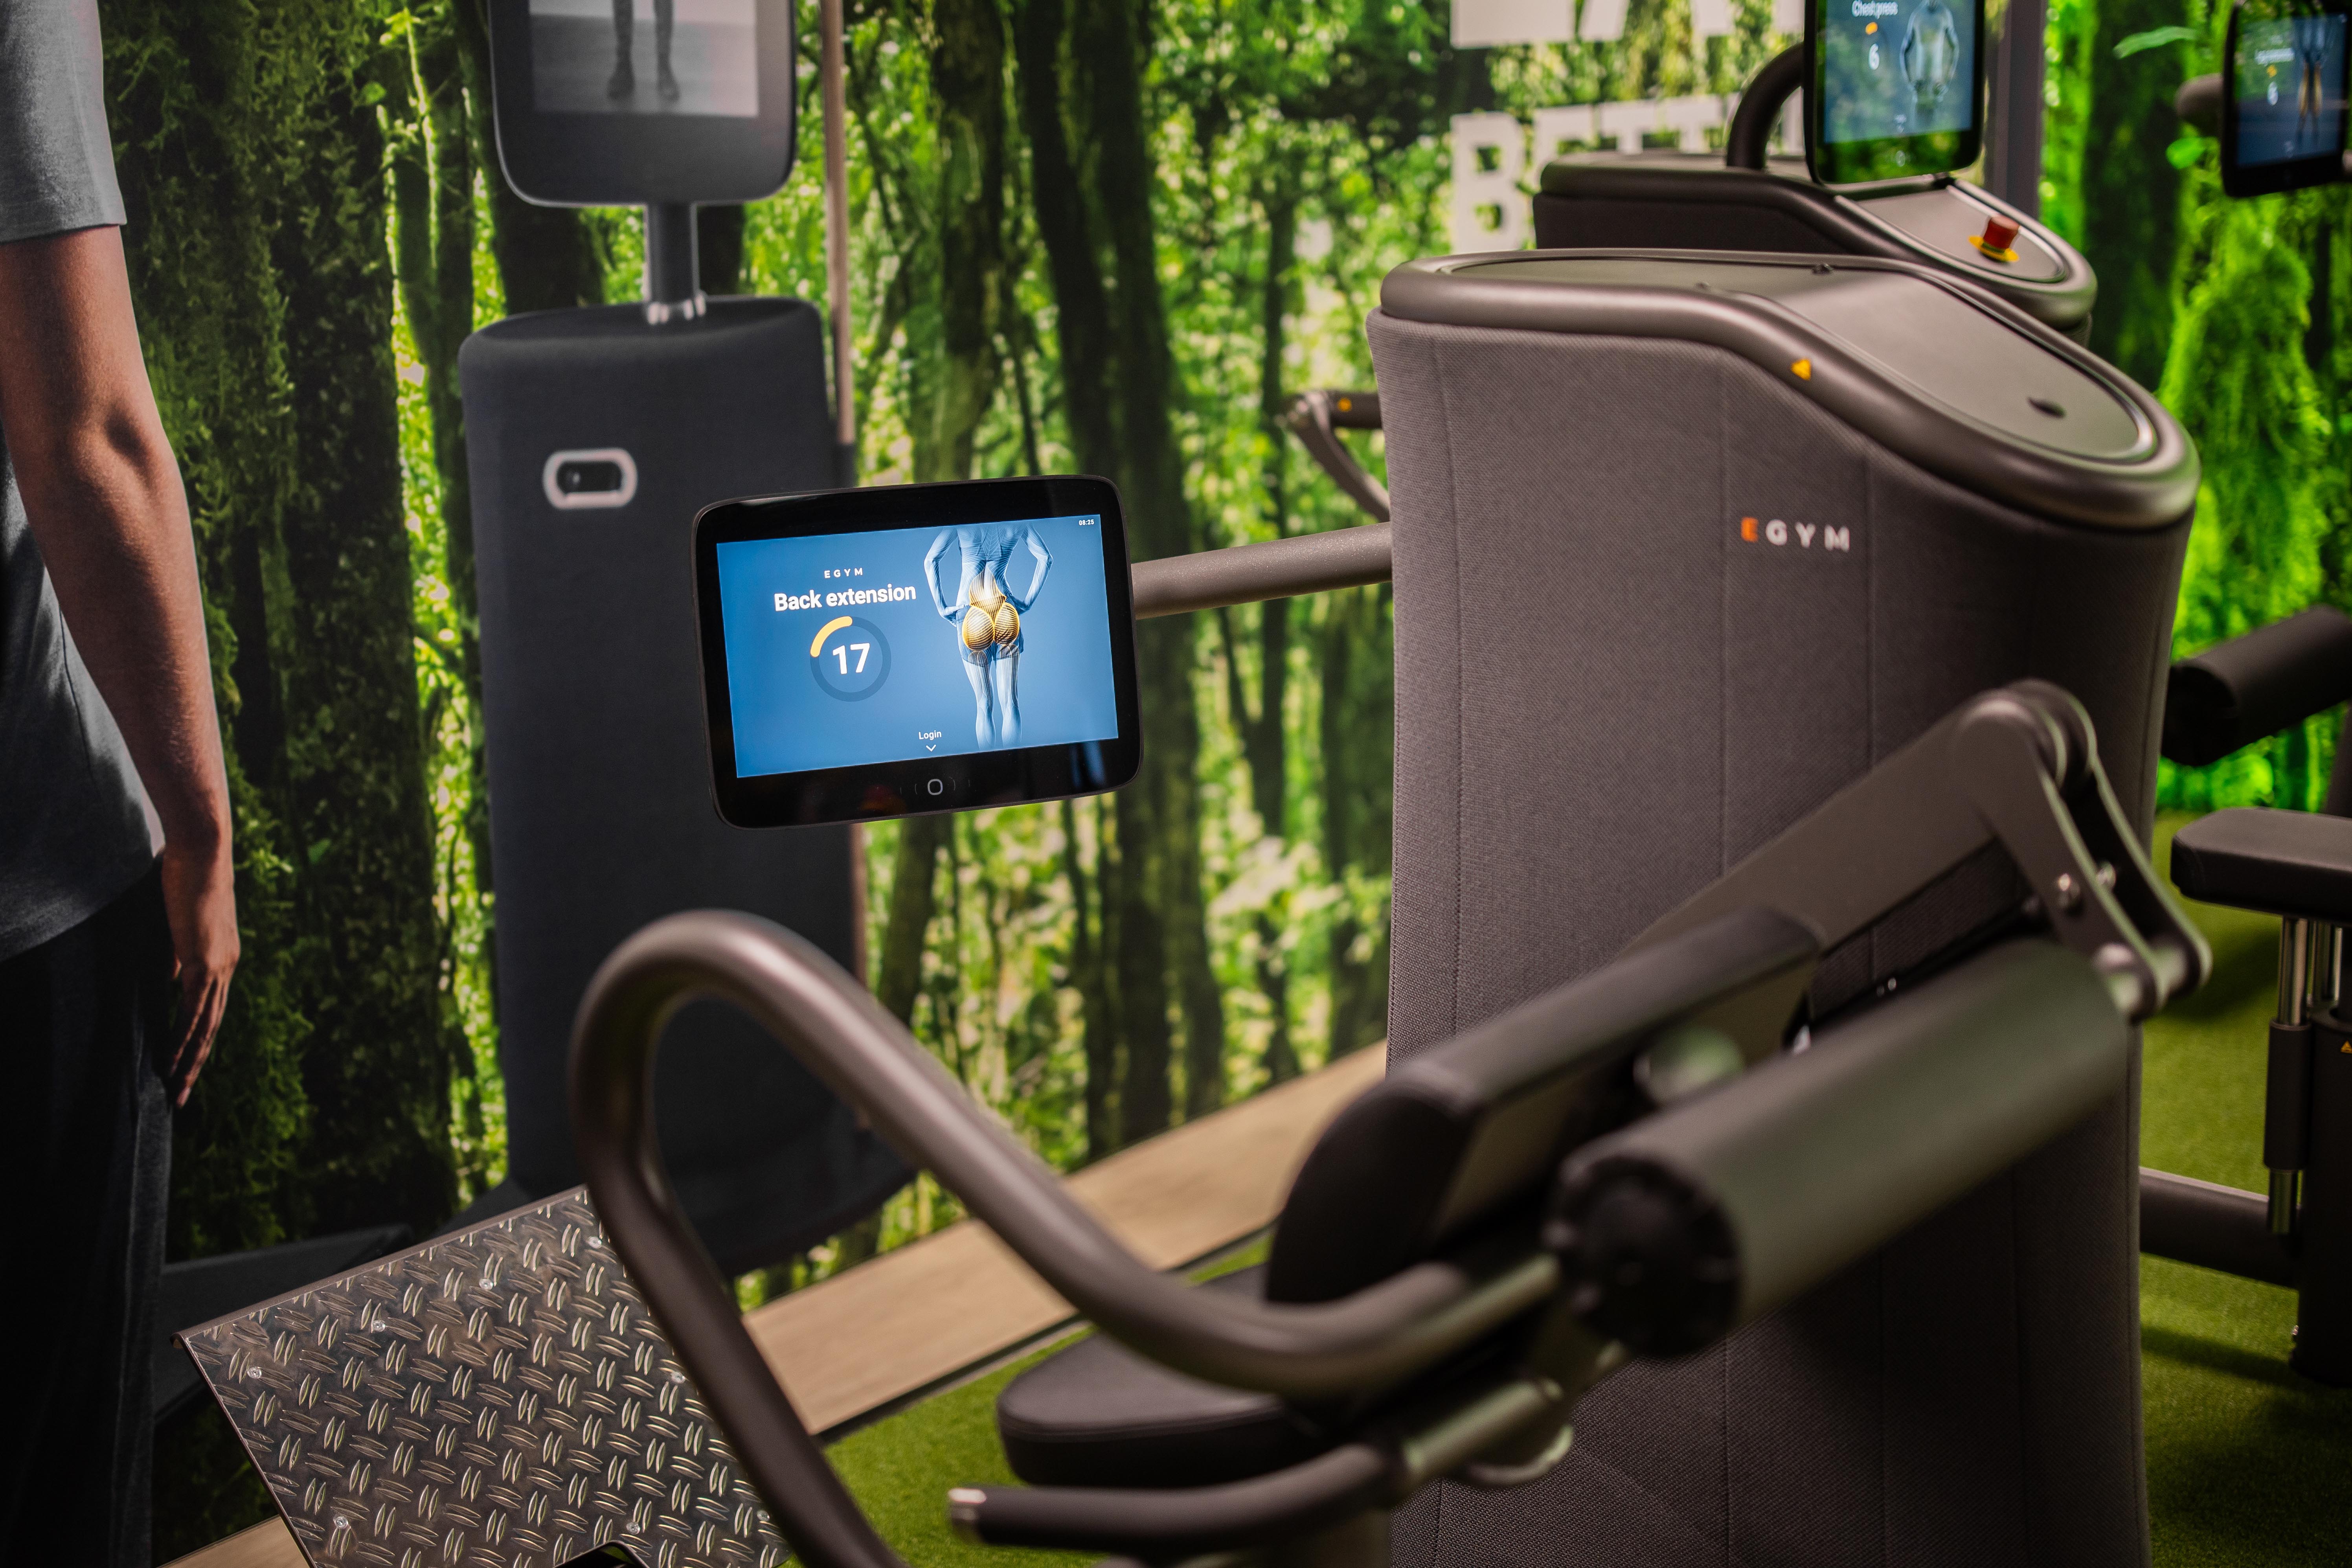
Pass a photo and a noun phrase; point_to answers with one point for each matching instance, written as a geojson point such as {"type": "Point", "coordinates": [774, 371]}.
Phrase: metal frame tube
{"type": "Point", "coordinates": [2294, 970]}
{"type": "Point", "coordinates": [1270, 569]}
{"type": "Point", "coordinates": [2286, 1108]}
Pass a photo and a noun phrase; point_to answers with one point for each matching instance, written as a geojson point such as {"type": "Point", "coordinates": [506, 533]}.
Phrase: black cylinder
{"type": "Point", "coordinates": [2323, 1333]}
{"type": "Point", "coordinates": [2286, 1101]}
{"type": "Point", "coordinates": [1722, 1208]}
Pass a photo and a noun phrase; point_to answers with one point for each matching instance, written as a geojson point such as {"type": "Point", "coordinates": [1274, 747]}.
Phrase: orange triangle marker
{"type": "Point", "coordinates": [1803, 369]}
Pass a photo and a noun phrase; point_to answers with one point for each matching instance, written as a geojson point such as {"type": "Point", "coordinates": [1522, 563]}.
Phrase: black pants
{"type": "Point", "coordinates": [85, 1172]}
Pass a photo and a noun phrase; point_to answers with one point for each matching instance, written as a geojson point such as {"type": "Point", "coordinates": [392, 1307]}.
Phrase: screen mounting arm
{"type": "Point", "coordinates": [1750, 135]}
{"type": "Point", "coordinates": [2017, 766]}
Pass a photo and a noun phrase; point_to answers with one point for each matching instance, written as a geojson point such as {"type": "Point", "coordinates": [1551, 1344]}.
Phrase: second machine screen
{"type": "Point", "coordinates": [845, 649]}
{"type": "Point", "coordinates": [1897, 68]}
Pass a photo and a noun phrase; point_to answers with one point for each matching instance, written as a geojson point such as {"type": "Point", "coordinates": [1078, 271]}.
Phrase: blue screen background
{"type": "Point", "coordinates": [787, 722]}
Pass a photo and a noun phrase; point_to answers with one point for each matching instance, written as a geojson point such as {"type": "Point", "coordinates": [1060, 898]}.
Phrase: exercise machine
{"type": "Point", "coordinates": [1750, 201]}
{"type": "Point", "coordinates": [1551, 870]}
{"type": "Point", "coordinates": [1629, 1165]}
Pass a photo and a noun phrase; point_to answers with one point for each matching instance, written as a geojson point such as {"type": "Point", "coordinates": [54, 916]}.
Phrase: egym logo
{"type": "Point", "coordinates": [1779, 533]}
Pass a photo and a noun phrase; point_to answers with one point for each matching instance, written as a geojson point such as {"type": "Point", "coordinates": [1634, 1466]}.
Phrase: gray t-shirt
{"type": "Point", "coordinates": [73, 827]}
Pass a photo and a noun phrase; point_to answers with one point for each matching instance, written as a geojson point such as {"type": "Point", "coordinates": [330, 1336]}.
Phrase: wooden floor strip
{"type": "Point", "coordinates": [918, 1316]}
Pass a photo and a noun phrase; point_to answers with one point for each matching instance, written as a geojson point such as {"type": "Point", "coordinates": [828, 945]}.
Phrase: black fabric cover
{"type": "Point", "coordinates": [1606, 696]}
{"type": "Point", "coordinates": [2237, 692]}
{"type": "Point", "coordinates": [1098, 1414]}
{"type": "Point", "coordinates": [601, 808]}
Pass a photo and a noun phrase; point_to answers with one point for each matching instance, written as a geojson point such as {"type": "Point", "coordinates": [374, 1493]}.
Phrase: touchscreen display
{"type": "Point", "coordinates": [2290, 88]}
{"type": "Point", "coordinates": [919, 642]}
{"type": "Point", "coordinates": [977, 647]}
{"type": "Point", "coordinates": [631, 102]}
{"type": "Point", "coordinates": [645, 56]}
{"type": "Point", "coordinates": [1897, 87]}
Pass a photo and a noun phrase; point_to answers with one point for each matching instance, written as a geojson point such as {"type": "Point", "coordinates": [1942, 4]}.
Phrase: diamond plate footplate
{"type": "Point", "coordinates": [500, 1398]}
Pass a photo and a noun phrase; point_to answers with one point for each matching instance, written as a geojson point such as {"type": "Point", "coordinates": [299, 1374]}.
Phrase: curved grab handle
{"type": "Point", "coordinates": [1371, 1339]}
{"type": "Point", "coordinates": [1317, 418]}
{"type": "Point", "coordinates": [1745, 144]}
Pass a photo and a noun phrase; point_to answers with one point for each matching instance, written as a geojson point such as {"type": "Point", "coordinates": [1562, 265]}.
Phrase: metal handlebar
{"type": "Point", "coordinates": [1317, 417]}
{"type": "Point", "coordinates": [1269, 569]}
{"type": "Point", "coordinates": [1374, 1339]}
{"type": "Point", "coordinates": [1746, 145]}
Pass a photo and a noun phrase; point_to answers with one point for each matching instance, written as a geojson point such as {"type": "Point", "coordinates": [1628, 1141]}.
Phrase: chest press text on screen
{"type": "Point", "coordinates": [1776, 531]}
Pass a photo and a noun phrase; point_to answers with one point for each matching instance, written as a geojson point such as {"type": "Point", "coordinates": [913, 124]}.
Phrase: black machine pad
{"type": "Point", "coordinates": [2293, 863]}
{"type": "Point", "coordinates": [1098, 1414]}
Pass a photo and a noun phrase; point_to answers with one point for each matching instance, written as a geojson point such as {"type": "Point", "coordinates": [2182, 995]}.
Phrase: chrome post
{"type": "Point", "coordinates": [2308, 955]}
{"type": "Point", "coordinates": [2294, 970]}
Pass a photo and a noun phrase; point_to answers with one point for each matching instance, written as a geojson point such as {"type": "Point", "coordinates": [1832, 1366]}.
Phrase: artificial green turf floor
{"type": "Point", "coordinates": [2249, 1466]}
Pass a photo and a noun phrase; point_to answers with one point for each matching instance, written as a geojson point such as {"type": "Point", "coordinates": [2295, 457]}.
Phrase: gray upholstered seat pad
{"type": "Point", "coordinates": [1098, 1414]}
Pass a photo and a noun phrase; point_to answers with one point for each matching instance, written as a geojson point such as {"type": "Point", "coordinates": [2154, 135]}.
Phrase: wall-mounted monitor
{"type": "Point", "coordinates": [633, 103]}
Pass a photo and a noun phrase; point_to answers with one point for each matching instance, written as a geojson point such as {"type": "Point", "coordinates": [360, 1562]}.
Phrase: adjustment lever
{"type": "Point", "coordinates": [2019, 766]}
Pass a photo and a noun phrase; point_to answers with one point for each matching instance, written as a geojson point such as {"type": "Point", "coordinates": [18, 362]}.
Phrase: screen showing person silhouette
{"type": "Point", "coordinates": [645, 56]}
{"type": "Point", "coordinates": [986, 615]}
{"type": "Point", "coordinates": [2290, 88]}
{"type": "Point", "coordinates": [852, 648]}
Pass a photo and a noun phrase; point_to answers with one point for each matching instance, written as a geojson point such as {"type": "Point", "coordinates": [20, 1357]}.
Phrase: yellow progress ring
{"type": "Point", "coordinates": [826, 631]}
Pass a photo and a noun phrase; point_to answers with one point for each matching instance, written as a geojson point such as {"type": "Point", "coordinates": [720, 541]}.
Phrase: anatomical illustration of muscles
{"type": "Point", "coordinates": [985, 615]}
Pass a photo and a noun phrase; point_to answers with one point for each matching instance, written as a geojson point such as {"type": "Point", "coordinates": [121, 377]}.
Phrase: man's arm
{"type": "Point", "coordinates": [102, 494]}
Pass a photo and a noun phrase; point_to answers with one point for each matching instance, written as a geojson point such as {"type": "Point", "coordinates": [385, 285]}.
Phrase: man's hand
{"type": "Point", "coordinates": [200, 903]}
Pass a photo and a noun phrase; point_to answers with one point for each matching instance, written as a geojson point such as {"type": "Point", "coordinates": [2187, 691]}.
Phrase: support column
{"type": "Point", "coordinates": [2012, 165]}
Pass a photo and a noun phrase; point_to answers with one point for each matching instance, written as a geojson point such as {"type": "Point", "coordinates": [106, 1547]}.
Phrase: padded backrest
{"type": "Point", "coordinates": [1480, 1123]}
{"type": "Point", "coordinates": [600, 819]}
{"type": "Point", "coordinates": [1607, 694]}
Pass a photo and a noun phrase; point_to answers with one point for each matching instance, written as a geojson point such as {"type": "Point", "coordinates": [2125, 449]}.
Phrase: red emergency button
{"type": "Point", "coordinates": [1995, 239]}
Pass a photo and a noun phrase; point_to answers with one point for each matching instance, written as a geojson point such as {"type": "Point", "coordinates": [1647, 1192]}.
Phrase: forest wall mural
{"type": "Point", "coordinates": [1108, 235]}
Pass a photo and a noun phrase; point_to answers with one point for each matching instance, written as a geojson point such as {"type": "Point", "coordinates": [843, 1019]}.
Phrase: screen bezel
{"type": "Point", "coordinates": [872, 791]}
{"type": "Point", "coordinates": [1886, 157]}
{"type": "Point", "coordinates": [2287, 175]}
{"type": "Point", "coordinates": [637, 160]}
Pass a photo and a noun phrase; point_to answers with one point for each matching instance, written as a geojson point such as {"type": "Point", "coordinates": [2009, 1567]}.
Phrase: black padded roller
{"type": "Point", "coordinates": [1712, 1213]}
{"type": "Point", "coordinates": [2236, 692]}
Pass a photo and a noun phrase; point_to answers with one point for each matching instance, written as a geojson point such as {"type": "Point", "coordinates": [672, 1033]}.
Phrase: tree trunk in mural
{"type": "Point", "coordinates": [548, 259]}
{"type": "Point", "coordinates": [252, 172]}
{"type": "Point", "coordinates": [376, 1073]}
{"type": "Point", "coordinates": [718, 250]}
{"type": "Point", "coordinates": [259, 266]}
{"type": "Point", "coordinates": [1358, 737]}
{"type": "Point", "coordinates": [1263, 726]}
{"type": "Point", "coordinates": [914, 873]}
{"type": "Point", "coordinates": [2131, 193]}
{"type": "Point", "coordinates": [433, 199]}
{"type": "Point", "coordinates": [1091, 183]}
